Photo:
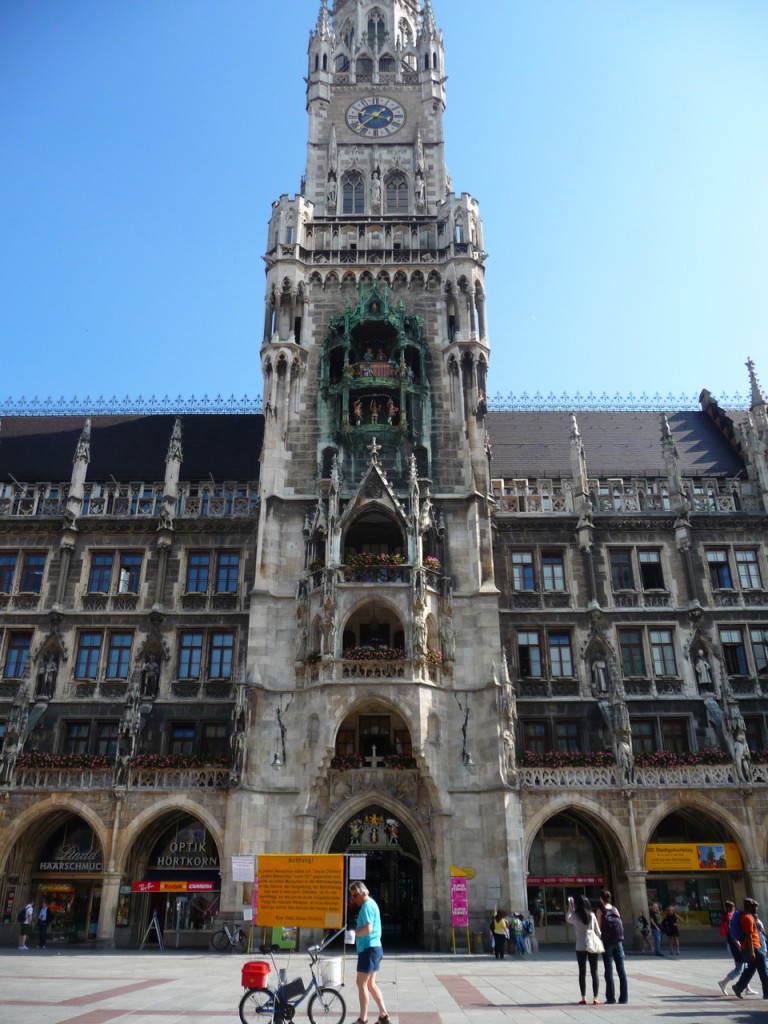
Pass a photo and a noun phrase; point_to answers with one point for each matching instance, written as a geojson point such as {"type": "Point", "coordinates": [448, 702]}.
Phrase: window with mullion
{"type": "Point", "coordinates": [227, 569]}
{"type": "Point", "coordinates": [631, 650]}
{"type": "Point", "coordinates": [17, 655]}
{"type": "Point", "coordinates": [182, 738]}
{"type": "Point", "coordinates": [7, 569]}
{"type": "Point", "coordinates": [622, 577]}
{"type": "Point", "coordinates": [198, 568]}
{"type": "Point", "coordinates": [529, 654]}
{"type": "Point", "coordinates": [644, 735]}
{"type": "Point", "coordinates": [560, 657]}
{"type": "Point", "coordinates": [674, 735]}
{"type": "Point", "coordinates": [353, 195]}
{"type": "Point", "coordinates": [749, 570]}
{"type": "Point", "coordinates": [106, 738]}
{"type": "Point", "coordinates": [215, 740]}
{"type": "Point", "coordinates": [663, 652]}
{"type": "Point", "coordinates": [76, 738]}
{"type": "Point", "coordinates": [535, 737]}
{"type": "Point", "coordinates": [650, 570]}
{"type": "Point", "coordinates": [32, 573]}
{"type": "Point", "coordinates": [734, 652]}
{"type": "Point", "coordinates": [759, 638]}
{"type": "Point", "coordinates": [130, 572]}
{"type": "Point", "coordinates": [88, 654]}
{"type": "Point", "coordinates": [119, 655]}
{"type": "Point", "coordinates": [552, 570]}
{"type": "Point", "coordinates": [522, 571]}
{"type": "Point", "coordinates": [719, 569]}
{"type": "Point", "coordinates": [220, 656]}
{"type": "Point", "coordinates": [567, 737]}
{"type": "Point", "coordinates": [100, 575]}
{"type": "Point", "coordinates": [190, 655]}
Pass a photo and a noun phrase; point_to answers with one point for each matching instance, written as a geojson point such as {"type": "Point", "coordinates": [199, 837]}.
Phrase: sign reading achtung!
{"type": "Point", "coordinates": [303, 891]}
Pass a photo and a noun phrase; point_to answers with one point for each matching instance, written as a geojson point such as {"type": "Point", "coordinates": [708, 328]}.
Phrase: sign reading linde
{"type": "Point", "coordinates": [71, 858]}
{"type": "Point", "coordinates": [193, 854]}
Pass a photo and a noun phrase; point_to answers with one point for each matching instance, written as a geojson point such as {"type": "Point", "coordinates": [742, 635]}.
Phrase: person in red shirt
{"type": "Point", "coordinates": [751, 950]}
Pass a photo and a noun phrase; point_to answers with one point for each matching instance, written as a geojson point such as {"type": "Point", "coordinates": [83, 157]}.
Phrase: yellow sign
{"type": "Point", "coordinates": [301, 890]}
{"type": "Point", "coordinates": [462, 872]}
{"type": "Point", "coordinates": [693, 857]}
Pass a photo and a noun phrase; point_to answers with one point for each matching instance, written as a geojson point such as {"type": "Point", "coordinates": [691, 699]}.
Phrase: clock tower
{"type": "Point", "coordinates": [374, 639]}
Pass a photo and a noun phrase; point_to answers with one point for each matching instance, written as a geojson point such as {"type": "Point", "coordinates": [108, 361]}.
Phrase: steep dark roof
{"type": "Point", "coordinates": [622, 444]}
{"type": "Point", "coordinates": [131, 448]}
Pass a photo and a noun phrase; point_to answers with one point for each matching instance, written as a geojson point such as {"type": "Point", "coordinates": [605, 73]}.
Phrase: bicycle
{"type": "Point", "coordinates": [326, 1005]}
{"type": "Point", "coordinates": [224, 940]}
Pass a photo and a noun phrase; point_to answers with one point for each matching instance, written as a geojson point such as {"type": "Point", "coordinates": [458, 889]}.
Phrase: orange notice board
{"type": "Point", "coordinates": [302, 891]}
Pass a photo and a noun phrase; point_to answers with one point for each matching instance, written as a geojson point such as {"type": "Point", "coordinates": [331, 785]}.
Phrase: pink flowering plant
{"type": "Point", "coordinates": [432, 563]}
{"type": "Point", "coordinates": [64, 762]}
{"type": "Point", "coordinates": [399, 762]}
{"type": "Point", "coordinates": [566, 759]}
{"type": "Point", "coordinates": [161, 762]}
{"type": "Point", "coordinates": [759, 757]}
{"type": "Point", "coordinates": [374, 652]}
{"type": "Point", "coordinates": [666, 759]}
{"type": "Point", "coordinates": [347, 762]}
{"type": "Point", "coordinates": [434, 657]}
{"type": "Point", "coordinates": [369, 560]}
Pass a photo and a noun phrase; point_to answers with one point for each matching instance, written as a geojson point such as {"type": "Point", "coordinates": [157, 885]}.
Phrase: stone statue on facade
{"type": "Point", "coordinates": [599, 671]}
{"type": "Point", "coordinates": [47, 673]}
{"type": "Point", "coordinates": [375, 191]}
{"type": "Point", "coordinates": [703, 670]}
{"type": "Point", "coordinates": [150, 677]}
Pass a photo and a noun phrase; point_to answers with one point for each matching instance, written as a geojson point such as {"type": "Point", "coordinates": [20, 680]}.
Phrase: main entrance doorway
{"type": "Point", "coordinates": [392, 872]}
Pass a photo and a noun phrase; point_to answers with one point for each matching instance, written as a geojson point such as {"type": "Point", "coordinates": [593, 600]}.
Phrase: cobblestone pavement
{"type": "Point", "coordinates": [99, 987]}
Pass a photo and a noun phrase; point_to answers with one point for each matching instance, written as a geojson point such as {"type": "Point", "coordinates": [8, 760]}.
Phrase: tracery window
{"type": "Point", "coordinates": [397, 194]}
{"type": "Point", "coordinates": [353, 194]}
{"type": "Point", "coordinates": [376, 28]}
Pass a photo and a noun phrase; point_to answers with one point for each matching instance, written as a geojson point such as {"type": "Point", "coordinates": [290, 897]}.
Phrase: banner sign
{"type": "Point", "coordinates": [301, 890]}
{"type": "Point", "coordinates": [693, 857]}
{"type": "Point", "coordinates": [173, 887]}
{"type": "Point", "coordinates": [566, 880]}
{"type": "Point", "coordinates": [459, 903]}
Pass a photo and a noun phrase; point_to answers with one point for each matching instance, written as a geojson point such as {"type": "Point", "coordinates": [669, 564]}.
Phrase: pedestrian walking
{"type": "Point", "coordinates": [612, 931]}
{"type": "Point", "coordinates": [656, 930]}
{"type": "Point", "coordinates": [499, 934]}
{"type": "Point", "coordinates": [671, 928]}
{"type": "Point", "coordinates": [588, 944]}
{"type": "Point", "coordinates": [753, 950]}
{"type": "Point", "coordinates": [517, 932]}
{"type": "Point", "coordinates": [644, 927]}
{"type": "Point", "coordinates": [734, 948]}
{"type": "Point", "coordinates": [369, 952]}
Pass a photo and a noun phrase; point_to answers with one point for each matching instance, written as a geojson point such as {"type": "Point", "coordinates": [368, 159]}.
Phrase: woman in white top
{"type": "Point", "coordinates": [588, 943]}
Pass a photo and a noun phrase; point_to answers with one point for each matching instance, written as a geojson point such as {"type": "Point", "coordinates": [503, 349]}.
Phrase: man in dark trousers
{"type": "Point", "coordinates": [612, 933]}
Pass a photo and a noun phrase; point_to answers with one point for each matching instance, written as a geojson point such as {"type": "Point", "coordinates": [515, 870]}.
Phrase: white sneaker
{"type": "Point", "coordinates": [721, 986]}
{"type": "Point", "coordinates": [750, 991]}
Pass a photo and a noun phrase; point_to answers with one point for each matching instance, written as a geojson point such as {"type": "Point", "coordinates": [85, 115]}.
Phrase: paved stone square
{"type": "Point", "coordinates": [95, 987]}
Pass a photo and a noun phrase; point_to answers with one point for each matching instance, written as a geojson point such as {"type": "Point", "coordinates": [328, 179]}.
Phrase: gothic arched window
{"type": "Point", "coordinates": [387, 62]}
{"type": "Point", "coordinates": [348, 35]}
{"type": "Point", "coordinates": [397, 194]}
{"type": "Point", "coordinates": [364, 66]}
{"type": "Point", "coordinates": [342, 63]}
{"type": "Point", "coordinates": [376, 29]}
{"type": "Point", "coordinates": [353, 194]}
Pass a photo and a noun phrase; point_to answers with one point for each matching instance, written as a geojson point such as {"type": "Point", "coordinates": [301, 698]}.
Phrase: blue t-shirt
{"type": "Point", "coordinates": [368, 914]}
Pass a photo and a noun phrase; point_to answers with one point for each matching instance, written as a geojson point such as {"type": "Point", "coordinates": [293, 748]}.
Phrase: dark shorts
{"type": "Point", "coordinates": [368, 960]}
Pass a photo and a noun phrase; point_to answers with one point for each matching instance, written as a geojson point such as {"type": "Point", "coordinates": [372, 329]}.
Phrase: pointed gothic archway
{"type": "Point", "coordinates": [393, 871]}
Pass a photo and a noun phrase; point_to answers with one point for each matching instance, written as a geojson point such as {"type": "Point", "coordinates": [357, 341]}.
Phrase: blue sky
{"type": "Point", "coordinates": [617, 148]}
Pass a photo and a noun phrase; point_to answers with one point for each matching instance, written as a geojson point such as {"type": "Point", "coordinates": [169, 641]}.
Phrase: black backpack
{"type": "Point", "coordinates": [21, 917]}
{"type": "Point", "coordinates": [611, 927]}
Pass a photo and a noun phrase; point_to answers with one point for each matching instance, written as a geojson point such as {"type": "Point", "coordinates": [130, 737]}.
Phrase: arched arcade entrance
{"type": "Point", "coordinates": [393, 871]}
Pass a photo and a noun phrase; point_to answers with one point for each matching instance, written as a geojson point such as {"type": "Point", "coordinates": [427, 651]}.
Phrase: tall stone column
{"type": "Point", "coordinates": [110, 895]}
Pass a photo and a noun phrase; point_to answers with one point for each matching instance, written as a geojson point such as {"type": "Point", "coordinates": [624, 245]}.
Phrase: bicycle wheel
{"type": "Point", "coordinates": [257, 1004]}
{"type": "Point", "coordinates": [220, 941]}
{"type": "Point", "coordinates": [327, 1006]}
{"type": "Point", "coordinates": [241, 942]}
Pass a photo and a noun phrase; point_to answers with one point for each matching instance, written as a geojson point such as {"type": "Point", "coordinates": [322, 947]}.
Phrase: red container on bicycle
{"type": "Point", "coordinates": [255, 974]}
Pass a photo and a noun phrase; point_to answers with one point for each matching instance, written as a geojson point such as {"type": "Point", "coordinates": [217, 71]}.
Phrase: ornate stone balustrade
{"type": "Point", "coordinates": [366, 671]}
{"type": "Point", "coordinates": [683, 777]}
{"type": "Point", "coordinates": [142, 778]}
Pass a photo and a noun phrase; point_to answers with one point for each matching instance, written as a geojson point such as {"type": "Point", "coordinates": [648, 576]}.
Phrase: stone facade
{"type": "Point", "coordinates": [376, 618]}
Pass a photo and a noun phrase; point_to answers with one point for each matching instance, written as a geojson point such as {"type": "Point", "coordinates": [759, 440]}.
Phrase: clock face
{"type": "Point", "coordinates": [375, 117]}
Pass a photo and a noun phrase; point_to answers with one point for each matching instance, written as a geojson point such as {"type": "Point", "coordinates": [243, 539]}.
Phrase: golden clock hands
{"type": "Point", "coordinates": [380, 112]}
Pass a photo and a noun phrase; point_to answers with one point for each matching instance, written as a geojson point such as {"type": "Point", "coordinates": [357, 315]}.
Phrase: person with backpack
{"type": "Point", "coordinates": [25, 918]}
{"type": "Point", "coordinates": [528, 929]}
{"type": "Point", "coordinates": [612, 932]}
{"type": "Point", "coordinates": [752, 950]}
{"type": "Point", "coordinates": [516, 927]}
{"type": "Point", "coordinates": [730, 930]}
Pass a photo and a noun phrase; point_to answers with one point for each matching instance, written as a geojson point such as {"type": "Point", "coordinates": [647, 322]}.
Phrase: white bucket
{"type": "Point", "coordinates": [330, 970]}
{"type": "Point", "coordinates": [349, 937]}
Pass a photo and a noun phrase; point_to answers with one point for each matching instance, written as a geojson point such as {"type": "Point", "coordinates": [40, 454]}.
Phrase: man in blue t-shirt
{"type": "Point", "coordinates": [369, 951]}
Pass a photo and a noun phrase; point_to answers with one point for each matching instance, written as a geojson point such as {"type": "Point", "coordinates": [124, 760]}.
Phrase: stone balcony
{"type": "Point", "coordinates": [343, 671]}
{"type": "Point", "coordinates": [697, 776]}
{"type": "Point", "coordinates": [137, 779]}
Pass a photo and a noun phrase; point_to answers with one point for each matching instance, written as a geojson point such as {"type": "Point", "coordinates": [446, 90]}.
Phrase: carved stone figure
{"type": "Point", "coordinates": [508, 739]}
{"type": "Point", "coordinates": [599, 674]}
{"type": "Point", "coordinates": [740, 750]}
{"type": "Point", "coordinates": [625, 759]}
{"type": "Point", "coordinates": [46, 676]}
{"type": "Point", "coordinates": [703, 669]}
{"type": "Point", "coordinates": [375, 191]}
{"type": "Point", "coordinates": [418, 189]}
{"type": "Point", "coordinates": [330, 191]}
{"type": "Point", "coordinates": [150, 677]}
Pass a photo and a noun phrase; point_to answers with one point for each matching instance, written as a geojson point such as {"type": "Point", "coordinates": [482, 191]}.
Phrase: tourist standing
{"type": "Point", "coordinates": [499, 934]}
{"type": "Point", "coordinates": [26, 917]}
{"type": "Point", "coordinates": [671, 927]}
{"type": "Point", "coordinates": [369, 952]}
{"type": "Point", "coordinates": [588, 944]}
{"type": "Point", "coordinates": [656, 929]}
{"type": "Point", "coordinates": [43, 917]}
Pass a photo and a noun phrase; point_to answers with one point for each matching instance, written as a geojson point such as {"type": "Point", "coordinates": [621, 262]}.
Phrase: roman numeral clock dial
{"type": "Point", "coordinates": [375, 117]}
